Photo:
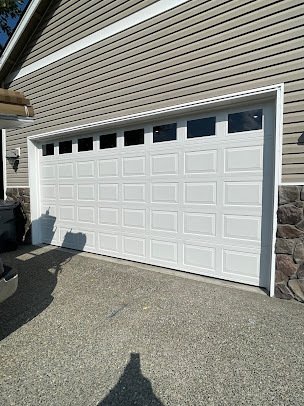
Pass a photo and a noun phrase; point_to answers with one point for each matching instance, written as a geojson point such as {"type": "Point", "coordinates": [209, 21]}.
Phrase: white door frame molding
{"type": "Point", "coordinates": [3, 140]}
{"type": "Point", "coordinates": [276, 92]}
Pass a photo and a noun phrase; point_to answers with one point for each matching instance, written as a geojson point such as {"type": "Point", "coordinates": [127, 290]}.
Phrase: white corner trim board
{"type": "Point", "coordinates": [138, 17]}
{"type": "Point", "coordinates": [279, 108]}
{"type": "Point", "coordinates": [3, 140]}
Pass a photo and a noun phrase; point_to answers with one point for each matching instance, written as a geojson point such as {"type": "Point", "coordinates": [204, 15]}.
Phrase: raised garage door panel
{"type": "Point", "coordinates": [201, 205]}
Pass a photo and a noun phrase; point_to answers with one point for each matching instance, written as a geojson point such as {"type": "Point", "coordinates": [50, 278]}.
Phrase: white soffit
{"type": "Point", "coordinates": [138, 17]}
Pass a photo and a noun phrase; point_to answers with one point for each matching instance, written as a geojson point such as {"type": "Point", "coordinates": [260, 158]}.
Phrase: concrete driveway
{"type": "Point", "coordinates": [82, 330]}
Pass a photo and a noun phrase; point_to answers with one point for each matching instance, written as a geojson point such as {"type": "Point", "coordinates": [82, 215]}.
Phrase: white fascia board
{"type": "Point", "coordinates": [136, 18]}
{"type": "Point", "coordinates": [175, 109]}
{"type": "Point", "coordinates": [19, 30]}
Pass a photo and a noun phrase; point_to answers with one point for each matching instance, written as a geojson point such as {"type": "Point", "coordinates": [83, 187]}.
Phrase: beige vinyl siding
{"type": "Point", "coordinates": [182, 75]}
{"type": "Point", "coordinates": [70, 21]}
{"type": "Point", "coordinates": [188, 28]}
{"type": "Point", "coordinates": [185, 59]}
{"type": "Point", "coordinates": [192, 52]}
{"type": "Point", "coordinates": [19, 177]}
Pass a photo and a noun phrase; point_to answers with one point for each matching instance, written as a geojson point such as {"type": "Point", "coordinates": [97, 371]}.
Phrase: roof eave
{"type": "Point", "coordinates": [20, 36]}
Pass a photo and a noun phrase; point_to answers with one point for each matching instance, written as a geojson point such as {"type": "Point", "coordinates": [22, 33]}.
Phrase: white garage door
{"type": "Point", "coordinates": [193, 194]}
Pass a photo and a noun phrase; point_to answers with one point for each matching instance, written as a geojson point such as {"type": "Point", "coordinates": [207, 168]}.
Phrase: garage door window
{"type": "Point", "coordinates": [107, 141]}
{"type": "Point", "coordinates": [201, 128]}
{"type": "Point", "coordinates": [250, 120]}
{"type": "Point", "coordinates": [85, 144]}
{"type": "Point", "coordinates": [165, 132]}
{"type": "Point", "coordinates": [65, 147]}
{"type": "Point", "coordinates": [134, 137]}
{"type": "Point", "coordinates": [47, 149]}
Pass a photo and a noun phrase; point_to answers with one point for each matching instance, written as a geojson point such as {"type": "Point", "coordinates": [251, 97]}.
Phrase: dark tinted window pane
{"type": "Point", "coordinates": [245, 121]}
{"type": "Point", "coordinates": [134, 137]}
{"type": "Point", "coordinates": [65, 147]}
{"type": "Point", "coordinates": [201, 127]}
{"type": "Point", "coordinates": [47, 149]}
{"type": "Point", "coordinates": [107, 141]}
{"type": "Point", "coordinates": [165, 132]}
{"type": "Point", "coordinates": [85, 144]}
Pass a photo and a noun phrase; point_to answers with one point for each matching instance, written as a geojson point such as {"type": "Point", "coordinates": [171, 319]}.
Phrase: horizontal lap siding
{"type": "Point", "coordinates": [178, 38]}
{"type": "Point", "coordinates": [19, 177]}
{"type": "Point", "coordinates": [185, 62]}
{"type": "Point", "coordinates": [67, 22]}
{"type": "Point", "coordinates": [192, 52]}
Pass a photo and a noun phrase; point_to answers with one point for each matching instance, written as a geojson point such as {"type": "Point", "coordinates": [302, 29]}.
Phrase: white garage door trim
{"type": "Point", "coordinates": [216, 103]}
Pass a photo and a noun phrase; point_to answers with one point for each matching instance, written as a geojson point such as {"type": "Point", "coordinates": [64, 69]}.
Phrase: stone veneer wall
{"type": "Point", "coordinates": [22, 195]}
{"type": "Point", "coordinates": [290, 244]}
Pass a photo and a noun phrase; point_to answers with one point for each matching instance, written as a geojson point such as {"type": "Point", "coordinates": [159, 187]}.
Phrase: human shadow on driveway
{"type": "Point", "coordinates": [38, 271]}
{"type": "Point", "coordinates": [132, 388]}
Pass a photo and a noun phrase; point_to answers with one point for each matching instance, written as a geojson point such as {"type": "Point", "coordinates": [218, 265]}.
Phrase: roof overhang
{"type": "Point", "coordinates": [15, 110]}
{"type": "Point", "coordinates": [19, 39]}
